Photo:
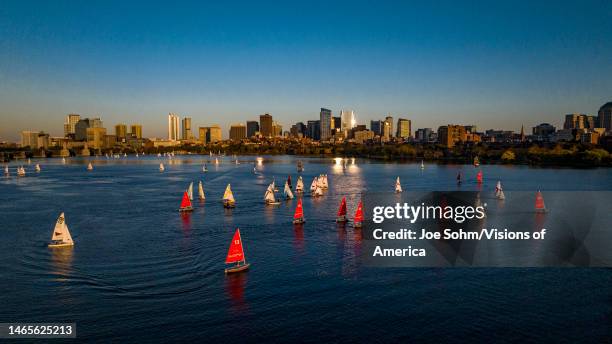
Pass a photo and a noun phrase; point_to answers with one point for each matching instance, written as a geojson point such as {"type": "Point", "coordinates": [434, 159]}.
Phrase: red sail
{"type": "Point", "coordinates": [359, 213]}
{"type": "Point", "coordinates": [342, 209]}
{"type": "Point", "coordinates": [539, 203]}
{"type": "Point", "coordinates": [185, 203]}
{"type": "Point", "coordinates": [479, 177]}
{"type": "Point", "coordinates": [235, 252]}
{"type": "Point", "coordinates": [299, 212]}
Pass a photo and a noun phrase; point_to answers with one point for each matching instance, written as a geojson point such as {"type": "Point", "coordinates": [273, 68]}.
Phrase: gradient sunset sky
{"type": "Point", "coordinates": [496, 64]}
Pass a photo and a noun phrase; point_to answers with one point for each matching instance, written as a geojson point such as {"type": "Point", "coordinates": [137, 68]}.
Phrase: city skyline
{"type": "Point", "coordinates": [506, 65]}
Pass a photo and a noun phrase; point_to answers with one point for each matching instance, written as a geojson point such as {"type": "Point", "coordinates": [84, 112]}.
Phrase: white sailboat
{"type": "Point", "coordinates": [37, 168]}
{"type": "Point", "coordinates": [228, 197]}
{"type": "Point", "coordinates": [204, 168]}
{"type": "Point", "coordinates": [313, 185]}
{"type": "Point", "coordinates": [89, 167]}
{"type": "Point", "coordinates": [21, 171]}
{"type": "Point", "coordinates": [499, 192]}
{"type": "Point", "coordinates": [287, 191]}
{"type": "Point", "coordinates": [161, 167]}
{"type": "Point", "coordinates": [64, 161]}
{"type": "Point", "coordinates": [6, 171]}
{"type": "Point", "coordinates": [29, 161]}
{"type": "Point", "coordinates": [216, 161]}
{"type": "Point", "coordinates": [190, 191]}
{"type": "Point", "coordinates": [398, 185]}
{"type": "Point", "coordinates": [299, 186]}
{"type": "Point", "coordinates": [318, 191]}
{"type": "Point", "coordinates": [158, 155]}
{"type": "Point", "coordinates": [61, 235]}
{"type": "Point", "coordinates": [422, 165]}
{"type": "Point", "coordinates": [324, 184]}
{"type": "Point", "coordinates": [237, 162]}
{"type": "Point", "coordinates": [269, 195]}
{"type": "Point", "coordinates": [201, 195]}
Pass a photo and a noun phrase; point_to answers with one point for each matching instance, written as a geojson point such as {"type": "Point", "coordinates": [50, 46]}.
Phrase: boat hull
{"type": "Point", "coordinates": [341, 219]}
{"type": "Point", "coordinates": [60, 245]}
{"type": "Point", "coordinates": [236, 269]}
{"type": "Point", "coordinates": [186, 209]}
{"type": "Point", "coordinates": [299, 221]}
{"type": "Point", "coordinates": [229, 205]}
{"type": "Point", "coordinates": [357, 224]}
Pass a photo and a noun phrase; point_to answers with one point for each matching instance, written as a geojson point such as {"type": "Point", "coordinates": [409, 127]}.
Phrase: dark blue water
{"type": "Point", "coordinates": [140, 271]}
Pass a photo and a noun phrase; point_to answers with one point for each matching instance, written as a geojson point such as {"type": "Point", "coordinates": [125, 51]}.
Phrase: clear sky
{"type": "Point", "coordinates": [496, 64]}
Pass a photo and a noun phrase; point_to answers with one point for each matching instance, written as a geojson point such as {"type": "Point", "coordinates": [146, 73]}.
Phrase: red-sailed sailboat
{"type": "Point", "coordinates": [358, 215]}
{"type": "Point", "coordinates": [235, 254]}
{"type": "Point", "coordinates": [298, 217]}
{"type": "Point", "coordinates": [479, 177]}
{"type": "Point", "coordinates": [185, 203]}
{"type": "Point", "coordinates": [539, 203]}
{"type": "Point", "coordinates": [341, 217]}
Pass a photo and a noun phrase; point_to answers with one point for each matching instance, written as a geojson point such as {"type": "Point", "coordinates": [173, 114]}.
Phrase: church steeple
{"type": "Point", "coordinates": [522, 133]}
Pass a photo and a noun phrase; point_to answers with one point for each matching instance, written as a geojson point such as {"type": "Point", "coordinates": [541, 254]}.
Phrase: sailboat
{"type": "Point", "coordinates": [6, 171]}
{"type": "Point", "coordinates": [235, 254]}
{"type": "Point", "coordinates": [539, 203]}
{"type": "Point", "coordinates": [185, 203]}
{"type": "Point", "coordinates": [204, 168]}
{"type": "Point", "coordinates": [21, 171]}
{"type": "Point", "coordinates": [161, 167]}
{"type": "Point", "coordinates": [341, 217]}
{"type": "Point", "coordinates": [64, 161]}
{"type": "Point", "coordinates": [237, 162]}
{"type": "Point", "coordinates": [287, 191]}
{"type": "Point", "coordinates": [313, 185]}
{"type": "Point", "coordinates": [479, 177]}
{"type": "Point", "coordinates": [289, 182]}
{"type": "Point", "coordinates": [216, 161]}
{"type": "Point", "coordinates": [269, 195]}
{"type": "Point", "coordinates": [254, 170]}
{"type": "Point", "coordinates": [299, 186]}
{"type": "Point", "coordinates": [499, 192]}
{"type": "Point", "coordinates": [476, 161]}
{"type": "Point", "coordinates": [137, 154]}
{"type": "Point", "coordinates": [37, 168]}
{"type": "Point", "coordinates": [398, 186]}
{"type": "Point", "coordinates": [201, 195]}
{"type": "Point", "coordinates": [190, 191]}
{"type": "Point", "coordinates": [458, 178]}
{"type": "Point", "coordinates": [89, 167]}
{"type": "Point", "coordinates": [298, 217]}
{"type": "Point", "coordinates": [324, 184]}
{"type": "Point", "coordinates": [300, 166]}
{"type": "Point", "coordinates": [228, 198]}
{"type": "Point", "coordinates": [422, 165]}
{"type": "Point", "coordinates": [318, 191]}
{"type": "Point", "coordinates": [358, 221]}
{"type": "Point", "coordinates": [61, 235]}
{"type": "Point", "coordinates": [158, 155]}
{"type": "Point", "coordinates": [29, 161]}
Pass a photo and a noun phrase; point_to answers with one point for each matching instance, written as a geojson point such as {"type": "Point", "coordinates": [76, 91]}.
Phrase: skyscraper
{"type": "Point", "coordinates": [136, 130]}
{"type": "Point", "coordinates": [404, 129]}
{"type": "Point", "coordinates": [237, 132]}
{"type": "Point", "coordinates": [121, 131]}
{"type": "Point", "coordinates": [186, 130]}
{"type": "Point", "coordinates": [348, 122]}
{"type": "Point", "coordinates": [80, 128]}
{"type": "Point", "coordinates": [173, 127]}
{"type": "Point", "coordinates": [265, 125]}
{"type": "Point", "coordinates": [69, 125]}
{"type": "Point", "coordinates": [377, 127]}
{"type": "Point", "coordinates": [389, 123]}
{"type": "Point", "coordinates": [277, 129]}
{"type": "Point", "coordinates": [326, 124]}
{"type": "Point", "coordinates": [252, 127]}
{"type": "Point", "coordinates": [604, 116]}
{"type": "Point", "coordinates": [313, 130]}
{"type": "Point", "coordinates": [214, 133]}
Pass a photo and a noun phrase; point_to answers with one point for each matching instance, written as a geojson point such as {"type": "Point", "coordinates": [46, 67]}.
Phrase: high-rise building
{"type": "Point", "coordinates": [298, 130]}
{"type": "Point", "coordinates": [376, 127]}
{"type": "Point", "coordinates": [423, 134]}
{"type": "Point", "coordinates": [337, 123]}
{"type": "Point", "coordinates": [80, 128]}
{"type": "Point", "coordinates": [173, 127]}
{"type": "Point", "coordinates": [121, 131]}
{"type": "Point", "coordinates": [404, 129]}
{"type": "Point", "coordinates": [265, 125]}
{"type": "Point", "coordinates": [577, 121]}
{"type": "Point", "coordinates": [214, 133]}
{"type": "Point", "coordinates": [186, 130]}
{"type": "Point", "coordinates": [386, 131]}
{"type": "Point", "coordinates": [29, 138]}
{"type": "Point", "coordinates": [277, 129]}
{"type": "Point", "coordinates": [449, 135]}
{"type": "Point", "coordinates": [252, 127]}
{"type": "Point", "coordinates": [203, 134]}
{"type": "Point", "coordinates": [70, 123]}
{"type": "Point", "coordinates": [136, 130]}
{"type": "Point", "coordinates": [389, 123]}
{"type": "Point", "coordinates": [95, 137]}
{"type": "Point", "coordinates": [313, 130]}
{"type": "Point", "coordinates": [604, 116]}
{"type": "Point", "coordinates": [237, 132]}
{"type": "Point", "coordinates": [347, 119]}
{"type": "Point", "coordinates": [326, 124]}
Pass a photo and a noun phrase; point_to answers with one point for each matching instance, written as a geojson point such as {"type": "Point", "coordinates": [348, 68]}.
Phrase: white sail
{"type": "Point", "coordinates": [313, 185]}
{"type": "Point", "coordinates": [29, 161]}
{"type": "Point", "coordinates": [89, 167]}
{"type": "Point", "coordinates": [288, 193]}
{"type": "Point", "coordinates": [422, 165]}
{"type": "Point", "coordinates": [216, 161]}
{"type": "Point", "coordinates": [204, 169]}
{"type": "Point", "coordinates": [318, 191]}
{"type": "Point", "coordinates": [6, 170]}
{"type": "Point", "coordinates": [324, 184]}
{"type": "Point", "coordinates": [228, 195]}
{"type": "Point", "coordinates": [61, 234]}
{"type": "Point", "coordinates": [498, 188]}
{"type": "Point", "coordinates": [161, 167]}
{"type": "Point", "coordinates": [299, 186]}
{"type": "Point", "coordinates": [501, 195]}
{"type": "Point", "coordinates": [237, 163]}
{"type": "Point", "coordinates": [201, 190]}
{"type": "Point", "coordinates": [269, 196]}
{"type": "Point", "coordinates": [398, 185]}
{"type": "Point", "coordinates": [63, 160]}
{"type": "Point", "coordinates": [21, 171]}
{"type": "Point", "coordinates": [190, 191]}
{"type": "Point", "coordinates": [37, 168]}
